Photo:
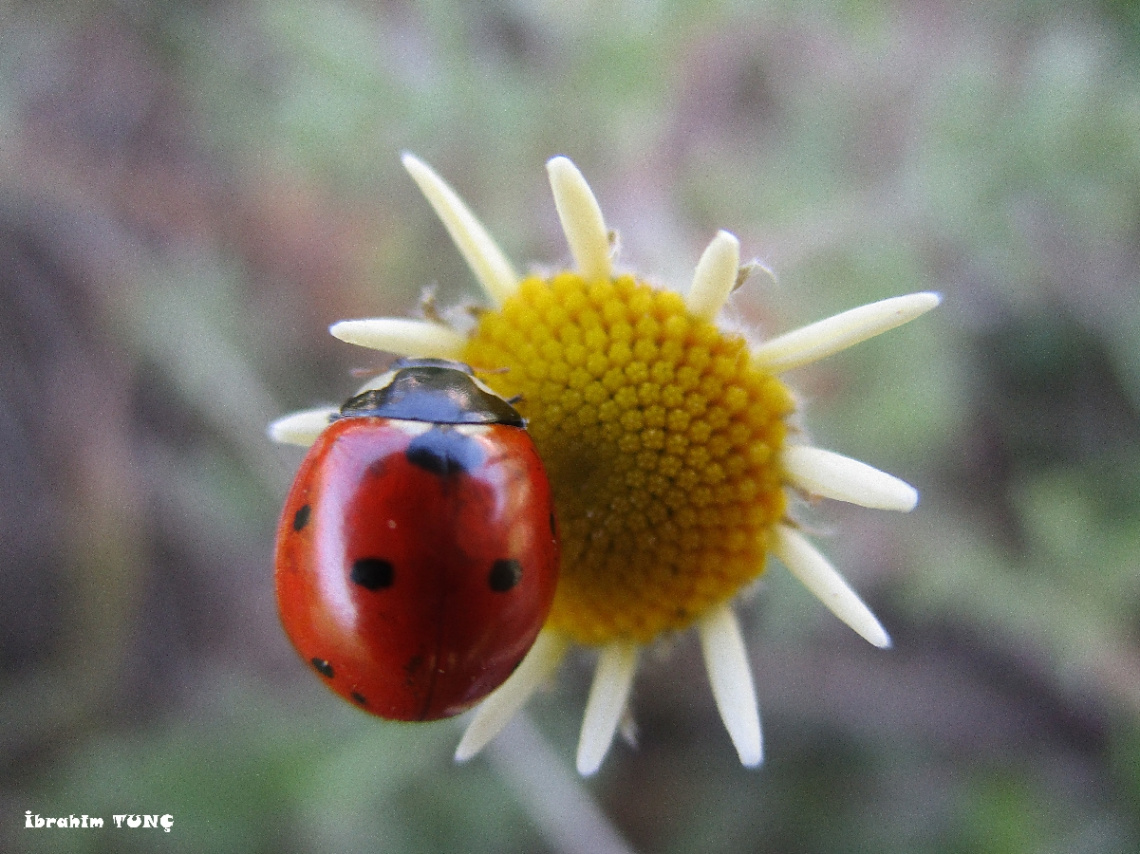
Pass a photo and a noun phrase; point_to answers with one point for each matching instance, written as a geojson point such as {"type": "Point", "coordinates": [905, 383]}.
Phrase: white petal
{"type": "Point", "coordinates": [496, 711]}
{"type": "Point", "coordinates": [753, 266]}
{"type": "Point", "coordinates": [486, 260]}
{"type": "Point", "coordinates": [818, 340]}
{"type": "Point", "coordinates": [608, 695]}
{"type": "Point", "coordinates": [301, 428]}
{"type": "Point", "coordinates": [817, 574]}
{"type": "Point", "coordinates": [831, 475]}
{"type": "Point", "coordinates": [402, 336]}
{"type": "Point", "coordinates": [731, 679]}
{"type": "Point", "coordinates": [376, 382]}
{"type": "Point", "coordinates": [716, 276]}
{"type": "Point", "coordinates": [581, 218]}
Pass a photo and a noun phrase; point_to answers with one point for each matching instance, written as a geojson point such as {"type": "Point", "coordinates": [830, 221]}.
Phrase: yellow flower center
{"type": "Point", "coordinates": [660, 440]}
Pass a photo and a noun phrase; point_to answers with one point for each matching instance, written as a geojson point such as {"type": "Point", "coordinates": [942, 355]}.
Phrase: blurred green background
{"type": "Point", "coordinates": [190, 192]}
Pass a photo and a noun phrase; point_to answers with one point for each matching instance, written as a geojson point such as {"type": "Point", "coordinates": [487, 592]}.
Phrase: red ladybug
{"type": "Point", "coordinates": [417, 554]}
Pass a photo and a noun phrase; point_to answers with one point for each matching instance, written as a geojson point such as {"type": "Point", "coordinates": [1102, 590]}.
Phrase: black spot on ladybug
{"type": "Point", "coordinates": [444, 451]}
{"type": "Point", "coordinates": [373, 573]}
{"type": "Point", "coordinates": [359, 699]}
{"type": "Point", "coordinates": [413, 670]}
{"type": "Point", "coordinates": [322, 667]}
{"type": "Point", "coordinates": [301, 517]}
{"type": "Point", "coordinates": [505, 574]}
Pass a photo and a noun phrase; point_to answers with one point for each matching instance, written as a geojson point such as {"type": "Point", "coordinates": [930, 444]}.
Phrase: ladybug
{"type": "Point", "coordinates": [417, 553]}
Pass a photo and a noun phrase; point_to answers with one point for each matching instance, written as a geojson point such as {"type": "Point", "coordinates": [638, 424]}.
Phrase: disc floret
{"type": "Point", "coordinates": [661, 441]}
{"type": "Point", "coordinates": [668, 446]}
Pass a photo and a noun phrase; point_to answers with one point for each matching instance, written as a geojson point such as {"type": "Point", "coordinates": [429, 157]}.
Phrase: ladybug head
{"type": "Point", "coordinates": [435, 390]}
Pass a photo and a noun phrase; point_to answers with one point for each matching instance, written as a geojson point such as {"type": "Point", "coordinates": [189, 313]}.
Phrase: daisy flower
{"type": "Point", "coordinates": [669, 446]}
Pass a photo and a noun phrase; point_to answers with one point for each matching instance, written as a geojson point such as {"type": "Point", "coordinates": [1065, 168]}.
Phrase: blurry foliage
{"type": "Point", "coordinates": [190, 192]}
{"type": "Point", "coordinates": [246, 773]}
